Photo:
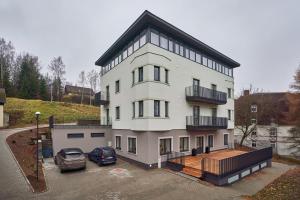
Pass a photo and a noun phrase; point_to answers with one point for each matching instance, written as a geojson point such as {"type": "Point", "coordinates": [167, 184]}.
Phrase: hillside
{"type": "Point", "coordinates": [22, 112]}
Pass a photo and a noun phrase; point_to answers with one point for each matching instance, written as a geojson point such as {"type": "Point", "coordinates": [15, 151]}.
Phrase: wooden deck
{"type": "Point", "coordinates": [193, 167]}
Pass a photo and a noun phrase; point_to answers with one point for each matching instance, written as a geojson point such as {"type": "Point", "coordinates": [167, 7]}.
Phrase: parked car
{"type": "Point", "coordinates": [103, 155]}
{"type": "Point", "coordinates": [70, 158]}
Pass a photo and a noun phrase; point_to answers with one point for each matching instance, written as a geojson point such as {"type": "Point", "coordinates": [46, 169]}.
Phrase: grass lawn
{"type": "Point", "coordinates": [285, 187]}
{"type": "Point", "coordinates": [22, 111]}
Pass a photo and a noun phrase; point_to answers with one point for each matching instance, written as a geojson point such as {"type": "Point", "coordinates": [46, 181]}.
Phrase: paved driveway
{"type": "Point", "coordinates": [121, 181]}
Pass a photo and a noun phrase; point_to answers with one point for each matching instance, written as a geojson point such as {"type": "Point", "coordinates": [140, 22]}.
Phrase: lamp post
{"type": "Point", "coordinates": [37, 114]}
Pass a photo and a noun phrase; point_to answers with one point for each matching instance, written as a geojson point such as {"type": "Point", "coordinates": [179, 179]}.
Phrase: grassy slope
{"type": "Point", "coordinates": [63, 112]}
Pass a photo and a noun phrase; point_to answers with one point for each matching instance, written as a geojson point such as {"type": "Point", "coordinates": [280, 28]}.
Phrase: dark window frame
{"type": "Point", "coordinates": [226, 139]}
{"type": "Point", "coordinates": [117, 86]}
{"type": "Point", "coordinates": [156, 108]}
{"type": "Point", "coordinates": [141, 74]}
{"type": "Point", "coordinates": [130, 147]}
{"type": "Point", "coordinates": [97, 134]}
{"type": "Point", "coordinates": [156, 75]}
{"type": "Point", "coordinates": [141, 108]}
{"type": "Point", "coordinates": [133, 109]}
{"type": "Point", "coordinates": [118, 113]}
{"type": "Point", "coordinates": [75, 135]}
{"type": "Point", "coordinates": [210, 143]}
{"type": "Point", "coordinates": [118, 143]}
{"type": "Point", "coordinates": [182, 144]}
{"type": "Point", "coordinates": [166, 76]}
{"type": "Point", "coordinates": [166, 109]}
{"type": "Point", "coordinates": [163, 141]}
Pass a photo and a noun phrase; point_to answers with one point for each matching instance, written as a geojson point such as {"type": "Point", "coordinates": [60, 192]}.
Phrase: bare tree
{"type": "Point", "coordinates": [92, 77]}
{"type": "Point", "coordinates": [58, 70]}
{"type": "Point", "coordinates": [82, 81]}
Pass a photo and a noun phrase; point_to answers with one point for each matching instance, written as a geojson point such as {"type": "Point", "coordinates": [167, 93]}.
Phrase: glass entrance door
{"type": "Point", "coordinates": [196, 89]}
{"type": "Point", "coordinates": [196, 115]}
{"type": "Point", "coordinates": [200, 144]}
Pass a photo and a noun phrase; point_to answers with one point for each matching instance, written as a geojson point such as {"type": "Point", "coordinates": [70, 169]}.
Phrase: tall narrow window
{"type": "Point", "coordinates": [198, 58]}
{"type": "Point", "coordinates": [136, 45]}
{"type": "Point", "coordinates": [229, 114]}
{"type": "Point", "coordinates": [210, 140]}
{"type": "Point", "coordinates": [166, 109]}
{"type": "Point", "coordinates": [124, 54]}
{"type": "Point", "coordinates": [204, 61]}
{"type": "Point", "coordinates": [143, 40]}
{"type": "Point", "coordinates": [117, 86]}
{"type": "Point", "coordinates": [225, 139]}
{"type": "Point", "coordinates": [132, 145]}
{"type": "Point", "coordinates": [176, 46]}
{"type": "Point", "coordinates": [130, 50]}
{"type": "Point", "coordinates": [133, 77]}
{"type": "Point", "coordinates": [171, 45]}
{"type": "Point", "coordinates": [184, 144]}
{"type": "Point", "coordinates": [156, 108]}
{"type": "Point", "coordinates": [141, 108]}
{"type": "Point", "coordinates": [192, 55]}
{"type": "Point", "coordinates": [118, 142]}
{"type": "Point", "coordinates": [118, 112]}
{"type": "Point", "coordinates": [181, 51]}
{"type": "Point", "coordinates": [163, 42]}
{"type": "Point", "coordinates": [141, 74]}
{"type": "Point", "coordinates": [156, 73]}
{"type": "Point", "coordinates": [187, 53]}
{"type": "Point", "coordinates": [229, 93]}
{"type": "Point", "coordinates": [133, 109]}
{"type": "Point", "coordinates": [166, 76]}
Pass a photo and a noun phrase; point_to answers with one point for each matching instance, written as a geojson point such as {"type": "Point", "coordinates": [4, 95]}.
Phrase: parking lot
{"type": "Point", "coordinates": [127, 181]}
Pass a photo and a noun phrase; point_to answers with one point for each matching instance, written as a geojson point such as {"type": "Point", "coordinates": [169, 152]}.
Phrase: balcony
{"type": "Point", "coordinates": [101, 99]}
{"type": "Point", "coordinates": [205, 123]}
{"type": "Point", "coordinates": [205, 95]}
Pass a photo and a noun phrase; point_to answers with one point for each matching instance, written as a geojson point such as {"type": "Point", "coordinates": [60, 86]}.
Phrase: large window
{"type": "Point", "coordinates": [198, 58]}
{"type": "Point", "coordinates": [154, 38]}
{"type": "Point", "coordinates": [118, 112]}
{"type": "Point", "coordinates": [165, 146]}
{"type": "Point", "coordinates": [118, 142]}
{"type": "Point", "coordinates": [163, 42]}
{"type": "Point", "coordinates": [132, 145]}
{"type": "Point", "coordinates": [143, 40]}
{"type": "Point", "coordinates": [184, 144]}
{"type": "Point", "coordinates": [210, 141]}
{"type": "Point", "coordinates": [192, 55]}
{"type": "Point", "coordinates": [136, 45]}
{"type": "Point", "coordinates": [156, 108]}
{"type": "Point", "coordinates": [75, 135]}
{"type": "Point", "coordinates": [130, 50]}
{"type": "Point", "coordinates": [141, 108]}
{"type": "Point", "coordinates": [176, 46]}
{"type": "Point", "coordinates": [117, 86]}
{"type": "Point", "coordinates": [181, 50]}
{"type": "Point", "coordinates": [124, 54]}
{"type": "Point", "coordinates": [156, 73]}
{"type": "Point", "coordinates": [204, 61]}
{"type": "Point", "coordinates": [141, 74]}
{"type": "Point", "coordinates": [166, 109]}
{"type": "Point", "coordinates": [225, 139]}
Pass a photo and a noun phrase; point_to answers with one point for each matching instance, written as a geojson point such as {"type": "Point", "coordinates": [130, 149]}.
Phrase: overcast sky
{"type": "Point", "coordinates": [264, 36]}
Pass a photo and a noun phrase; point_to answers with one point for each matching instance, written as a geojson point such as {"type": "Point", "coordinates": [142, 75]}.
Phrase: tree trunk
{"type": "Point", "coordinates": [242, 140]}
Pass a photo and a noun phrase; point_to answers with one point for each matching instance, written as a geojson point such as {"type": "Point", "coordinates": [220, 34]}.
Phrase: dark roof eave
{"type": "Point", "coordinates": [153, 20]}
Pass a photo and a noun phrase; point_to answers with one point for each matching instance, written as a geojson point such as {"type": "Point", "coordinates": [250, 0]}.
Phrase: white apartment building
{"type": "Point", "coordinates": [164, 91]}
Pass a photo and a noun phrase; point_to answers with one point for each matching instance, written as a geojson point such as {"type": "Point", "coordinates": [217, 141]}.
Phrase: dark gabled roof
{"type": "Point", "coordinates": [2, 96]}
{"type": "Point", "coordinates": [148, 19]}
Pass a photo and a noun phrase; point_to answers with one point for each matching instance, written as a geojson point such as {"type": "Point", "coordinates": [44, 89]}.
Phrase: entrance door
{"type": "Point", "coordinates": [196, 87]}
{"type": "Point", "coordinates": [196, 115]}
{"type": "Point", "coordinates": [200, 144]}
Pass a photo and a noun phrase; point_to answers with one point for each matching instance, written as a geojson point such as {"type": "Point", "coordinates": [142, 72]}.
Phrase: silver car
{"type": "Point", "coordinates": [70, 158]}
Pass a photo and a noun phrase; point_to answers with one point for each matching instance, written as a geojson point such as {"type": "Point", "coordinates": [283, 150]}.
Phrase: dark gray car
{"type": "Point", "coordinates": [70, 158]}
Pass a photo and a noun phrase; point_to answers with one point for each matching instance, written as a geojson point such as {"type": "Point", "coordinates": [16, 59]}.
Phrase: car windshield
{"type": "Point", "coordinates": [73, 154]}
{"type": "Point", "coordinates": [108, 152]}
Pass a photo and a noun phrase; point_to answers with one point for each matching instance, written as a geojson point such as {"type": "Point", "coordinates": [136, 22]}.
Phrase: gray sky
{"type": "Point", "coordinates": [264, 36]}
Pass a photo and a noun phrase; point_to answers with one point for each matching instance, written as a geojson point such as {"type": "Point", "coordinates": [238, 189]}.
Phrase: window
{"type": "Point", "coordinates": [163, 42]}
{"type": "Point", "coordinates": [253, 108]}
{"type": "Point", "coordinates": [156, 73]}
{"type": "Point", "coordinates": [166, 109]}
{"type": "Point", "coordinates": [254, 133]}
{"type": "Point", "coordinates": [117, 86]}
{"type": "Point", "coordinates": [209, 63]}
{"type": "Point", "coordinates": [229, 93]}
{"type": "Point", "coordinates": [154, 38]}
{"type": "Point", "coordinates": [253, 121]}
{"type": "Point", "coordinates": [273, 145]}
{"type": "Point", "coordinates": [133, 77]}
{"type": "Point", "coordinates": [176, 46]}
{"type": "Point", "coordinates": [210, 140]}
{"type": "Point", "coordinates": [198, 58]}
{"type": "Point", "coordinates": [141, 108]}
{"type": "Point", "coordinates": [192, 55]}
{"type": "Point", "coordinates": [273, 131]}
{"type": "Point", "coordinates": [156, 108]}
{"type": "Point", "coordinates": [130, 50]}
{"type": "Point", "coordinates": [165, 146]}
{"type": "Point", "coordinates": [166, 76]}
{"type": "Point", "coordinates": [124, 54]}
{"type": "Point", "coordinates": [181, 50]}
{"type": "Point", "coordinates": [75, 135]}
{"type": "Point", "coordinates": [112, 64]}
{"type": "Point", "coordinates": [229, 114]}
{"type": "Point", "coordinates": [143, 40]}
{"type": "Point", "coordinates": [171, 45]}
{"type": "Point", "coordinates": [97, 134]}
{"type": "Point", "coordinates": [136, 45]}
{"type": "Point", "coordinates": [184, 144]}
{"type": "Point", "coordinates": [225, 139]}
{"type": "Point", "coordinates": [132, 145]}
{"type": "Point", "coordinates": [253, 143]}
{"type": "Point", "coordinates": [133, 109]}
{"type": "Point", "coordinates": [204, 61]}
{"type": "Point", "coordinates": [187, 53]}
{"type": "Point", "coordinates": [116, 61]}
{"type": "Point", "coordinates": [120, 58]}
{"type": "Point", "coordinates": [141, 74]}
{"type": "Point", "coordinates": [118, 142]}
{"type": "Point", "coordinates": [118, 112]}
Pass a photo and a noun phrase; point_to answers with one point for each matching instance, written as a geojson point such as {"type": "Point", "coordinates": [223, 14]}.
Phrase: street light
{"type": "Point", "coordinates": [37, 114]}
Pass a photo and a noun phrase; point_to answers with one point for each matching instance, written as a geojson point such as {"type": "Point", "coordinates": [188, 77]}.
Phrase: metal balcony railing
{"type": "Point", "coordinates": [205, 123]}
{"type": "Point", "coordinates": [202, 94]}
{"type": "Point", "coordinates": [101, 98]}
